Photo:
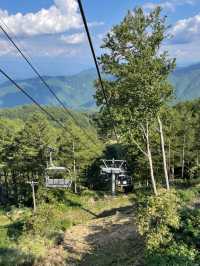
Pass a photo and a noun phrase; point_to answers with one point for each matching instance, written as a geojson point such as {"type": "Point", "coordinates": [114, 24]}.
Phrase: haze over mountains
{"type": "Point", "coordinates": [77, 91]}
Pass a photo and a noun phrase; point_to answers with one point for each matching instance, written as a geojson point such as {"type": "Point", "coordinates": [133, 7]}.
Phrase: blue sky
{"type": "Point", "coordinates": [51, 32]}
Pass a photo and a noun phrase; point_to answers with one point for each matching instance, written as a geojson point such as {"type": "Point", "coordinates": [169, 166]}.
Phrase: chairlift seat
{"type": "Point", "coordinates": [110, 170]}
{"type": "Point", "coordinates": [58, 183]}
{"type": "Point", "coordinates": [54, 176]}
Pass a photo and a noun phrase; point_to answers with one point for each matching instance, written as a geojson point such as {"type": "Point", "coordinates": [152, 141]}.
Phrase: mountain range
{"type": "Point", "coordinates": [77, 91]}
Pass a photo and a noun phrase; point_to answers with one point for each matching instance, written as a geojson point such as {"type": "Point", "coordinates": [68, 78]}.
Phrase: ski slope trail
{"type": "Point", "coordinates": [110, 239]}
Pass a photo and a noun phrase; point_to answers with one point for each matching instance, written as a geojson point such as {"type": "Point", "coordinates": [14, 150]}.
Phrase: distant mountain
{"type": "Point", "coordinates": [77, 91]}
{"type": "Point", "coordinates": [186, 81]}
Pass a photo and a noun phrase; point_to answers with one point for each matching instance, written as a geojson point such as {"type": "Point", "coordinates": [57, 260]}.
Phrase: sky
{"type": "Point", "coordinates": [52, 34]}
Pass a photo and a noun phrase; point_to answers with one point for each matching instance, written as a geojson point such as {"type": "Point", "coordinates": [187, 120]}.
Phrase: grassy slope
{"type": "Point", "coordinates": [86, 230]}
{"type": "Point", "coordinates": [18, 244]}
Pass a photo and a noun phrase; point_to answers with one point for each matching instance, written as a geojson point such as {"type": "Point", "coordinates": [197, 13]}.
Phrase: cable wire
{"type": "Point", "coordinates": [30, 97]}
{"type": "Point", "coordinates": [45, 83]}
{"type": "Point", "coordinates": [97, 66]}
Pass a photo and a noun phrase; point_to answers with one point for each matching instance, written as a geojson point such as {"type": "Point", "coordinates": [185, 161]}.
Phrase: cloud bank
{"type": "Point", "coordinates": [60, 17]}
{"type": "Point", "coordinates": [170, 5]}
{"type": "Point", "coordinates": [75, 38]}
{"type": "Point", "coordinates": [187, 30]}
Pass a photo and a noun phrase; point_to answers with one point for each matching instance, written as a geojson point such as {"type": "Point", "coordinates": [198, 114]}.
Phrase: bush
{"type": "Point", "coordinates": [47, 221]}
{"type": "Point", "coordinates": [174, 255]}
{"type": "Point", "coordinates": [187, 195]}
{"type": "Point", "coordinates": [156, 216]}
{"type": "Point", "coordinates": [171, 231]}
{"type": "Point", "coordinates": [189, 230]}
{"type": "Point", "coordinates": [89, 194]}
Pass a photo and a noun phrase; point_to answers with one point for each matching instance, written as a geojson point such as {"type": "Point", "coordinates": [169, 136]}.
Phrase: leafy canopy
{"type": "Point", "coordinates": [139, 70]}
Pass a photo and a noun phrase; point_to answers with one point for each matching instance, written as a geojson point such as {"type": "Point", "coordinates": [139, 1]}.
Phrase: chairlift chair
{"type": "Point", "coordinates": [54, 176]}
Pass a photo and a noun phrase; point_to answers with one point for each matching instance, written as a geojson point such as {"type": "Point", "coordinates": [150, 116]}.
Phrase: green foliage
{"type": "Point", "coordinates": [24, 151]}
{"type": "Point", "coordinates": [171, 229]}
{"type": "Point", "coordinates": [156, 216]}
{"type": "Point", "coordinates": [47, 221]}
{"type": "Point", "coordinates": [188, 195]}
{"type": "Point", "coordinates": [139, 86]}
{"type": "Point", "coordinates": [189, 231]}
{"type": "Point", "coordinates": [174, 255]}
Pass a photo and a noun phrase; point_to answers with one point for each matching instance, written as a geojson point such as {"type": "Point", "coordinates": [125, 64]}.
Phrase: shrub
{"type": "Point", "coordinates": [171, 230]}
{"type": "Point", "coordinates": [156, 216]}
{"type": "Point", "coordinates": [187, 195]}
{"type": "Point", "coordinates": [47, 221]}
{"type": "Point", "coordinates": [189, 230]}
{"type": "Point", "coordinates": [89, 193]}
{"type": "Point", "coordinates": [174, 255]}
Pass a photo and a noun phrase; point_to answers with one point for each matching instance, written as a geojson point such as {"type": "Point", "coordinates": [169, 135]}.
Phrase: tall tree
{"type": "Point", "coordinates": [137, 86]}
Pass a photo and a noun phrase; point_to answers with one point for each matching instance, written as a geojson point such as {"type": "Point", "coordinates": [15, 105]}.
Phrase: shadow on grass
{"type": "Point", "coordinates": [118, 253]}
{"type": "Point", "coordinates": [12, 257]}
{"type": "Point", "coordinates": [72, 203]}
{"type": "Point", "coordinates": [15, 230]}
{"type": "Point", "coordinates": [113, 242]}
{"type": "Point", "coordinates": [121, 210]}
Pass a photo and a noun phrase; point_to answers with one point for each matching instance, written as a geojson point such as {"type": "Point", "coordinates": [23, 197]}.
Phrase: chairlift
{"type": "Point", "coordinates": [117, 169]}
{"type": "Point", "coordinates": [54, 175]}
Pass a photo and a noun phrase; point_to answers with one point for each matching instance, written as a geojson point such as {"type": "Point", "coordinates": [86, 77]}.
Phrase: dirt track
{"type": "Point", "coordinates": [109, 240]}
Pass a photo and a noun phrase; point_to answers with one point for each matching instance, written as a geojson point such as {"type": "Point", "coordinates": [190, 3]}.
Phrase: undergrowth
{"type": "Point", "coordinates": [170, 224]}
{"type": "Point", "coordinates": [27, 237]}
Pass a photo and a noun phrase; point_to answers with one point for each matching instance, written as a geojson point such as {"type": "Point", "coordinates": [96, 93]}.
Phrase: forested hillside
{"type": "Point", "coordinates": [77, 91]}
{"type": "Point", "coordinates": [24, 112]}
{"type": "Point", "coordinates": [186, 82]}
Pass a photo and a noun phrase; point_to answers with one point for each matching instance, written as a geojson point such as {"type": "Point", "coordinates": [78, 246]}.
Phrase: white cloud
{"type": "Point", "coordinates": [60, 17]}
{"type": "Point", "coordinates": [185, 53]}
{"type": "Point", "coordinates": [168, 5]}
{"type": "Point", "coordinates": [49, 49]}
{"type": "Point", "coordinates": [76, 38]}
{"type": "Point", "coordinates": [186, 30]}
{"type": "Point", "coordinates": [6, 49]}
{"type": "Point", "coordinates": [165, 5]}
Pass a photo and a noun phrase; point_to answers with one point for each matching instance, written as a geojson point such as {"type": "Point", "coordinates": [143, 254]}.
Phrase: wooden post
{"type": "Point", "coordinates": [32, 183]}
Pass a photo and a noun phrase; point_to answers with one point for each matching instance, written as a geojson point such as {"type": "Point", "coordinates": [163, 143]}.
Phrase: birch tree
{"type": "Point", "coordinates": [137, 85]}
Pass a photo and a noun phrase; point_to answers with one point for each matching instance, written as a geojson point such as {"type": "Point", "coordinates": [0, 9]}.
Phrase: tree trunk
{"type": "Point", "coordinates": [163, 153]}
{"type": "Point", "coordinates": [150, 161]}
{"type": "Point", "coordinates": [183, 158]}
{"type": "Point", "coordinates": [74, 170]}
{"type": "Point", "coordinates": [169, 160]}
{"type": "Point", "coordinates": [173, 167]}
{"type": "Point", "coordinates": [147, 153]}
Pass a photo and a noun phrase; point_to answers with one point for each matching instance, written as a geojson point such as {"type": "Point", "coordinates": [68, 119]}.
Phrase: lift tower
{"type": "Point", "coordinates": [113, 167]}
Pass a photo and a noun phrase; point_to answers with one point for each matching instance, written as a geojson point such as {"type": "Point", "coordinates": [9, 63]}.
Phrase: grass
{"type": "Point", "coordinates": [26, 238]}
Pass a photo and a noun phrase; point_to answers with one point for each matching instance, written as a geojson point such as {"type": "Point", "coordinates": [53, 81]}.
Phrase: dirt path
{"type": "Point", "coordinates": [105, 241]}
